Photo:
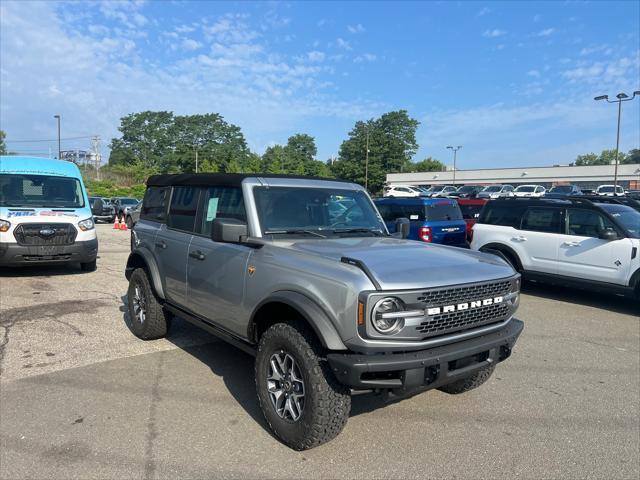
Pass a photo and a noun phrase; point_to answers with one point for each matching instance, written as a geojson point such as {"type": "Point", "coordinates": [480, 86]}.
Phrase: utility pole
{"type": "Point", "coordinates": [621, 97]}
{"type": "Point", "coordinates": [57, 117]}
{"type": "Point", "coordinates": [366, 165]}
{"type": "Point", "coordinates": [455, 154]}
{"type": "Point", "coordinates": [95, 144]}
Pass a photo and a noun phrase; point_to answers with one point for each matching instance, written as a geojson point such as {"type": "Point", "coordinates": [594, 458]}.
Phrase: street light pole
{"type": "Point", "coordinates": [455, 156]}
{"type": "Point", "coordinates": [366, 165]}
{"type": "Point", "coordinates": [621, 97]}
{"type": "Point", "coordinates": [59, 149]}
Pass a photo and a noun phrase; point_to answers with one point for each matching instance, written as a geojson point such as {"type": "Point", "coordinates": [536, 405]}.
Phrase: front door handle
{"type": "Point", "coordinates": [572, 244]}
{"type": "Point", "coordinates": [520, 238]}
{"type": "Point", "coordinates": [198, 255]}
{"type": "Point", "coordinates": [162, 244]}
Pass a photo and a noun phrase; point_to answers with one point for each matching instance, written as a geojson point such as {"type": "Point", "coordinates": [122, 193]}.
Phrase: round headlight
{"type": "Point", "coordinates": [383, 318]}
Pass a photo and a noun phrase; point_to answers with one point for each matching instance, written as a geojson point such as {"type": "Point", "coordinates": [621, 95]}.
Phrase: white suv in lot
{"type": "Point", "coordinates": [608, 190]}
{"type": "Point", "coordinates": [402, 191]}
{"type": "Point", "coordinates": [578, 242]}
{"type": "Point", "coordinates": [535, 191]}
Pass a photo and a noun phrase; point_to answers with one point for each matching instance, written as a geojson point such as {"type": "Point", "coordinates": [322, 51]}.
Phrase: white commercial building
{"type": "Point", "coordinates": [585, 176]}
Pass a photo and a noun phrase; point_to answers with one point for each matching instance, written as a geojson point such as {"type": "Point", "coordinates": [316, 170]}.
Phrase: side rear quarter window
{"type": "Point", "coordinates": [506, 215]}
{"type": "Point", "coordinates": [154, 204]}
{"type": "Point", "coordinates": [540, 219]}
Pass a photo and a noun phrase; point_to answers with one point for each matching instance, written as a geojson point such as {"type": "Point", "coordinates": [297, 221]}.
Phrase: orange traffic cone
{"type": "Point", "coordinates": [123, 226]}
{"type": "Point", "coordinates": [116, 224]}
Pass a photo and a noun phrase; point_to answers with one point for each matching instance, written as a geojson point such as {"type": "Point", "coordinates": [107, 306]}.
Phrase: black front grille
{"type": "Point", "coordinates": [471, 317]}
{"type": "Point", "coordinates": [464, 319]}
{"type": "Point", "coordinates": [450, 296]}
{"type": "Point", "coordinates": [36, 234]}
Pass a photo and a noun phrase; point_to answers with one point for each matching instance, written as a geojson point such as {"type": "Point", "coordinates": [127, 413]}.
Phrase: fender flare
{"type": "Point", "coordinates": [145, 257]}
{"type": "Point", "coordinates": [312, 313]}
{"type": "Point", "coordinates": [500, 249]}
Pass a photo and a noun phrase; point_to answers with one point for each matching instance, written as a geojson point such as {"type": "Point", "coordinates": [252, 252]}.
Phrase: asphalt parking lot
{"type": "Point", "coordinates": [81, 397]}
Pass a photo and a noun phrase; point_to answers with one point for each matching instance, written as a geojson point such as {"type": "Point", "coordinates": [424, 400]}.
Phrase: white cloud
{"type": "Point", "coordinates": [533, 73]}
{"type": "Point", "coordinates": [365, 57]}
{"type": "Point", "coordinates": [484, 11]}
{"type": "Point", "coordinates": [190, 44]}
{"type": "Point", "coordinates": [94, 79]}
{"type": "Point", "coordinates": [343, 44]}
{"type": "Point", "coordinates": [356, 28]}
{"type": "Point", "coordinates": [494, 33]}
{"type": "Point", "coordinates": [614, 73]}
{"type": "Point", "coordinates": [546, 32]}
{"type": "Point", "coordinates": [315, 56]}
{"type": "Point", "coordinates": [603, 49]}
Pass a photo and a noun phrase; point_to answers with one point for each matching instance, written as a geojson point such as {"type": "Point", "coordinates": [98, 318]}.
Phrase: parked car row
{"type": "Point", "coordinates": [502, 191]}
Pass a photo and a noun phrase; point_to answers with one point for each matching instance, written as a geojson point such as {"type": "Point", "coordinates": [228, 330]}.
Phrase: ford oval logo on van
{"type": "Point", "coordinates": [47, 232]}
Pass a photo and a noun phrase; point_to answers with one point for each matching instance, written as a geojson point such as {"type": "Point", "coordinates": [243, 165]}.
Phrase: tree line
{"type": "Point", "coordinates": [161, 142]}
{"type": "Point", "coordinates": [607, 157]}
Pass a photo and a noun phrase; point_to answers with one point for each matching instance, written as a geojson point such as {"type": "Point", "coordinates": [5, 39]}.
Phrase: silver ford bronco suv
{"type": "Point", "coordinates": [303, 274]}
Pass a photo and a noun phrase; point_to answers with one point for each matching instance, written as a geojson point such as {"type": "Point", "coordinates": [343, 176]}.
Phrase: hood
{"type": "Point", "coordinates": [406, 264]}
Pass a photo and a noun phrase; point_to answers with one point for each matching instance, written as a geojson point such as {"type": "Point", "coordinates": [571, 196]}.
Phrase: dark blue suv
{"type": "Point", "coordinates": [433, 220]}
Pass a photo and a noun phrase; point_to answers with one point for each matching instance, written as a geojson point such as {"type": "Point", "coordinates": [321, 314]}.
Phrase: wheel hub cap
{"type": "Point", "coordinates": [285, 386]}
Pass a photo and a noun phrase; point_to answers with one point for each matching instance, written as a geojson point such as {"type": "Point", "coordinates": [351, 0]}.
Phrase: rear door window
{"type": "Point", "coordinates": [183, 209]}
{"type": "Point", "coordinates": [154, 204]}
{"type": "Point", "coordinates": [390, 212]}
{"type": "Point", "coordinates": [546, 220]}
{"type": "Point", "coordinates": [470, 211]}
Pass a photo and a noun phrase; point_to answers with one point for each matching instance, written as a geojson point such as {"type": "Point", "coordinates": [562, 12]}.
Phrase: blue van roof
{"type": "Point", "coordinates": [415, 200]}
{"type": "Point", "coordinates": [41, 166]}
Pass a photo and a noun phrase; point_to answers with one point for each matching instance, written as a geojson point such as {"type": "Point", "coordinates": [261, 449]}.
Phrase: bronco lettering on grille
{"type": "Point", "coordinates": [464, 306]}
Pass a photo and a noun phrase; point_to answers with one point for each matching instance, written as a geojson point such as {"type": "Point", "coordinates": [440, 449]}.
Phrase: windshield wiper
{"type": "Point", "coordinates": [358, 230]}
{"type": "Point", "coordinates": [294, 232]}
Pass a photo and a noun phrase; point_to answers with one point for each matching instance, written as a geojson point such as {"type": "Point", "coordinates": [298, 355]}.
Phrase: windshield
{"type": "Point", "coordinates": [562, 189]}
{"type": "Point", "coordinates": [316, 211]}
{"type": "Point", "coordinates": [493, 188]}
{"type": "Point", "coordinates": [467, 188]}
{"type": "Point", "coordinates": [22, 190]}
{"type": "Point", "coordinates": [609, 189]}
{"type": "Point", "coordinates": [435, 188]}
{"type": "Point", "coordinates": [129, 201]}
{"type": "Point", "coordinates": [628, 217]}
{"type": "Point", "coordinates": [526, 188]}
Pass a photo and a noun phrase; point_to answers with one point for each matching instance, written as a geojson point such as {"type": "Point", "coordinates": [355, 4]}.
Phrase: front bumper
{"type": "Point", "coordinates": [12, 254]}
{"type": "Point", "coordinates": [430, 368]}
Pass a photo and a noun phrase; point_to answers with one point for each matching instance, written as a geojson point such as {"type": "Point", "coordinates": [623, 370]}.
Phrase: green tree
{"type": "Point", "coordinates": [300, 152]}
{"type": "Point", "coordinates": [587, 159]}
{"type": "Point", "coordinates": [427, 165]}
{"type": "Point", "coordinates": [392, 143]}
{"type": "Point", "coordinates": [273, 159]}
{"type": "Point", "coordinates": [168, 143]}
{"type": "Point", "coordinates": [632, 157]}
{"type": "Point", "coordinates": [608, 157]}
{"type": "Point", "coordinates": [3, 145]}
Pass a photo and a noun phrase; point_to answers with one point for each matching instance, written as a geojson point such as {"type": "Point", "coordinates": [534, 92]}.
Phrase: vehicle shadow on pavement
{"type": "Point", "coordinates": [236, 369]}
{"type": "Point", "coordinates": [589, 298]}
{"type": "Point", "coordinates": [41, 271]}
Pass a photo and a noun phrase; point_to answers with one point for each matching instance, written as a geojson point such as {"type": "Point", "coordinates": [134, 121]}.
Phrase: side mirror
{"type": "Point", "coordinates": [608, 235]}
{"type": "Point", "coordinates": [402, 227]}
{"type": "Point", "coordinates": [228, 230]}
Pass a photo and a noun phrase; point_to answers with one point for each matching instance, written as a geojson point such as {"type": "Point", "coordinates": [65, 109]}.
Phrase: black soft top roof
{"type": "Point", "coordinates": [220, 179]}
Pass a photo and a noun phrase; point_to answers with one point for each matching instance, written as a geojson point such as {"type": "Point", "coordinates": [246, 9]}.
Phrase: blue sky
{"type": "Point", "coordinates": [513, 82]}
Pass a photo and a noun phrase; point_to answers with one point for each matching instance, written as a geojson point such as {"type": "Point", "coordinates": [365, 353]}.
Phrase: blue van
{"type": "Point", "coordinates": [433, 220]}
{"type": "Point", "coordinates": [45, 216]}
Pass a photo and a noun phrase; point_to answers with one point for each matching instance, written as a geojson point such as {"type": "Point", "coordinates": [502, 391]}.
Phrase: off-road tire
{"type": "Point", "coordinates": [89, 266]}
{"type": "Point", "coordinates": [327, 402]}
{"type": "Point", "coordinates": [129, 222]}
{"type": "Point", "coordinates": [157, 320]}
{"type": "Point", "coordinates": [468, 383]}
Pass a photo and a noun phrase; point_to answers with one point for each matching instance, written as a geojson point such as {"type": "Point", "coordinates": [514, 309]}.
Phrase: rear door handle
{"type": "Point", "coordinates": [198, 255]}
{"type": "Point", "coordinates": [572, 244]}
{"type": "Point", "coordinates": [520, 238]}
{"type": "Point", "coordinates": [161, 244]}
